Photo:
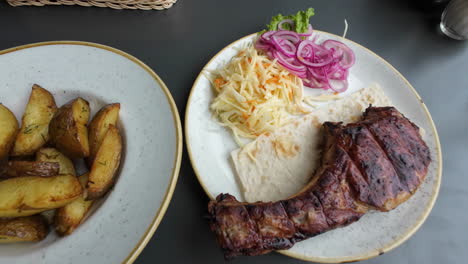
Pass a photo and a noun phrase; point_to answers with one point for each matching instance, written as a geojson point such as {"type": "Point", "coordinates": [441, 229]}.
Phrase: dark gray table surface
{"type": "Point", "coordinates": [178, 42]}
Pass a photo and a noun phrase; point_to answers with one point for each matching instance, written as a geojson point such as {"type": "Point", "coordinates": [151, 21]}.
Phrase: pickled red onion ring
{"type": "Point", "coordinates": [324, 66]}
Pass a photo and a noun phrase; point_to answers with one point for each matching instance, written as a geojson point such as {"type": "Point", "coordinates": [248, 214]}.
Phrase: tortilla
{"type": "Point", "coordinates": [277, 165]}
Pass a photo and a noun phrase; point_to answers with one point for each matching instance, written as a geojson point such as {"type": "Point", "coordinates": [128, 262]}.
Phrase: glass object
{"type": "Point", "coordinates": [455, 20]}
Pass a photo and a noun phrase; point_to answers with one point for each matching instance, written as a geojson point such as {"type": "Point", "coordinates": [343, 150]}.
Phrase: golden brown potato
{"type": "Point", "coordinates": [68, 131]}
{"type": "Point", "coordinates": [108, 115]}
{"type": "Point", "coordinates": [20, 168]}
{"type": "Point", "coordinates": [66, 167]}
{"type": "Point", "coordinates": [70, 216]}
{"type": "Point", "coordinates": [8, 131]}
{"type": "Point", "coordinates": [23, 229]}
{"type": "Point", "coordinates": [23, 196]}
{"type": "Point", "coordinates": [53, 155]}
{"type": "Point", "coordinates": [105, 165]}
{"type": "Point", "coordinates": [34, 132]}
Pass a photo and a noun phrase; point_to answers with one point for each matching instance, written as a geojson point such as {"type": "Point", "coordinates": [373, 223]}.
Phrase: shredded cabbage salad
{"type": "Point", "coordinates": [255, 95]}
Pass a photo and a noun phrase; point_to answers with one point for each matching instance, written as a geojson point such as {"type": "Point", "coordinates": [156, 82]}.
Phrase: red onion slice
{"type": "Point", "coordinates": [289, 35]}
{"type": "Point", "coordinates": [348, 58]}
{"type": "Point", "coordinates": [284, 46]}
{"type": "Point", "coordinates": [340, 74]}
{"type": "Point", "coordinates": [305, 51]}
{"type": "Point", "coordinates": [288, 65]}
{"type": "Point", "coordinates": [316, 74]}
{"type": "Point", "coordinates": [324, 66]}
{"type": "Point", "coordinates": [266, 36]}
{"type": "Point", "coordinates": [261, 45]}
{"type": "Point", "coordinates": [339, 86]}
{"type": "Point", "coordinates": [319, 62]}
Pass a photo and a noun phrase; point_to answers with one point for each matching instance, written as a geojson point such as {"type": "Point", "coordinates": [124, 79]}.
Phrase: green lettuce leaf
{"type": "Point", "coordinates": [275, 21]}
{"type": "Point", "coordinates": [301, 21]}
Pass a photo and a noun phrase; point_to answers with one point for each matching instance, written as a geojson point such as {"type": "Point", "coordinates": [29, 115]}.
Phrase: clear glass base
{"type": "Point", "coordinates": [450, 33]}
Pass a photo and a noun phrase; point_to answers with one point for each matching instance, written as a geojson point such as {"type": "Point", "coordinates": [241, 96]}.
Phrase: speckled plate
{"type": "Point", "coordinates": [121, 225]}
{"type": "Point", "coordinates": [373, 235]}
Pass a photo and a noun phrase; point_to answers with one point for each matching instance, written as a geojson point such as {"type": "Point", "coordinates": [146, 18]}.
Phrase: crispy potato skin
{"type": "Point", "coordinates": [53, 155]}
{"type": "Point", "coordinates": [34, 132]}
{"type": "Point", "coordinates": [23, 229]}
{"type": "Point", "coordinates": [69, 217]}
{"type": "Point", "coordinates": [68, 131]}
{"type": "Point", "coordinates": [108, 115]}
{"type": "Point", "coordinates": [31, 189]}
{"type": "Point", "coordinates": [23, 196]}
{"type": "Point", "coordinates": [105, 165]}
{"type": "Point", "coordinates": [19, 168]}
{"type": "Point", "coordinates": [8, 131]}
{"type": "Point", "coordinates": [66, 167]}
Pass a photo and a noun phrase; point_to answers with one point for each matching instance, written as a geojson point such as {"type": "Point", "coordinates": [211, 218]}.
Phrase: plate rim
{"type": "Point", "coordinates": [373, 253]}
{"type": "Point", "coordinates": [138, 248]}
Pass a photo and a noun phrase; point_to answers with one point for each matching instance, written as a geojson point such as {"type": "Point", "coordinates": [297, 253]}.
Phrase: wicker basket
{"type": "Point", "coordinates": [116, 4]}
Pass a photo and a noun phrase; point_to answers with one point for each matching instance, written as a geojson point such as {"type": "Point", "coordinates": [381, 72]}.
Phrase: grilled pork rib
{"type": "Point", "coordinates": [376, 163]}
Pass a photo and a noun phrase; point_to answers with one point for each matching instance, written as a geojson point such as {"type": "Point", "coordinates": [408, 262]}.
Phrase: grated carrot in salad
{"type": "Point", "coordinates": [255, 95]}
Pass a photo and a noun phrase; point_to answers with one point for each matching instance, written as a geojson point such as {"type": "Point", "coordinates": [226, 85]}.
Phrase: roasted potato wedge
{"type": "Point", "coordinates": [20, 168]}
{"type": "Point", "coordinates": [34, 132]}
{"type": "Point", "coordinates": [66, 167]}
{"type": "Point", "coordinates": [70, 216]}
{"type": "Point", "coordinates": [23, 196]}
{"type": "Point", "coordinates": [8, 131]}
{"type": "Point", "coordinates": [108, 115]}
{"type": "Point", "coordinates": [68, 131]}
{"type": "Point", "coordinates": [105, 165]}
{"type": "Point", "coordinates": [53, 155]}
{"type": "Point", "coordinates": [23, 229]}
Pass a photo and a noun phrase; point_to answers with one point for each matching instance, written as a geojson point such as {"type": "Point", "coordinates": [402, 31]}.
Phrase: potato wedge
{"type": "Point", "coordinates": [20, 168]}
{"type": "Point", "coordinates": [108, 115]}
{"type": "Point", "coordinates": [69, 217]}
{"type": "Point", "coordinates": [23, 229]}
{"type": "Point", "coordinates": [8, 131]}
{"type": "Point", "coordinates": [23, 196]}
{"type": "Point", "coordinates": [53, 155]}
{"type": "Point", "coordinates": [68, 131]}
{"type": "Point", "coordinates": [66, 167]}
{"type": "Point", "coordinates": [34, 132]}
{"type": "Point", "coordinates": [105, 165]}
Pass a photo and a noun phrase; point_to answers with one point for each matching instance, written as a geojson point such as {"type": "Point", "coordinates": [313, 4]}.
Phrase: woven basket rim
{"type": "Point", "coordinates": [115, 4]}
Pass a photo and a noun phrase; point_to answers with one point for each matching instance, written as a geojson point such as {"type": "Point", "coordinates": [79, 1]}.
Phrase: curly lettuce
{"type": "Point", "coordinates": [301, 21]}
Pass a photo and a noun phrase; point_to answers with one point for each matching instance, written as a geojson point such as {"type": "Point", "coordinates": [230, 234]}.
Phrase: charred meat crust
{"type": "Point", "coordinates": [376, 163]}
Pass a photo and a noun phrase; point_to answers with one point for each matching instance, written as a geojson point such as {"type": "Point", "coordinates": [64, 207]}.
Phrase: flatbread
{"type": "Point", "coordinates": [279, 164]}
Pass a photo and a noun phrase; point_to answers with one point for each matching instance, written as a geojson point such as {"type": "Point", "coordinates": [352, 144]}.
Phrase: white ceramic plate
{"type": "Point", "coordinates": [123, 223]}
{"type": "Point", "coordinates": [209, 146]}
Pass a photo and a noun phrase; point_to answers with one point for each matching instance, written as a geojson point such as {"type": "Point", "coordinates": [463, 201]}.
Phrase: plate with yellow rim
{"type": "Point", "coordinates": [209, 146]}
{"type": "Point", "coordinates": [123, 222]}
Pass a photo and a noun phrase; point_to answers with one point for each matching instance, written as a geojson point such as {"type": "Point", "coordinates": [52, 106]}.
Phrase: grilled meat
{"type": "Point", "coordinates": [376, 163]}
